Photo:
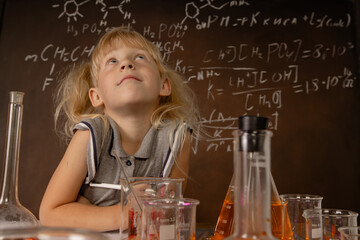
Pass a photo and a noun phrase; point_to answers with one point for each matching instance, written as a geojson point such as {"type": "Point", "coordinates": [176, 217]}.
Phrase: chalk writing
{"type": "Point", "coordinates": [51, 52]}
{"type": "Point", "coordinates": [257, 73]}
{"type": "Point", "coordinates": [317, 21]}
{"type": "Point", "coordinates": [344, 80]}
{"type": "Point", "coordinates": [287, 51]}
{"type": "Point", "coordinates": [219, 128]}
{"type": "Point", "coordinates": [257, 18]}
{"type": "Point", "coordinates": [70, 10]}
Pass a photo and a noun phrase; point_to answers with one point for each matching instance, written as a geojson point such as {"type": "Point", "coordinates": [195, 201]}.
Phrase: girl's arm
{"type": "Point", "coordinates": [181, 165]}
{"type": "Point", "coordinates": [61, 206]}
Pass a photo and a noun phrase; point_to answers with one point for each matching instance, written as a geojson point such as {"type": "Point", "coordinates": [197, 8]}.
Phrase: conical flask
{"type": "Point", "coordinates": [252, 180]}
{"type": "Point", "coordinates": [12, 213]}
{"type": "Point", "coordinates": [280, 222]}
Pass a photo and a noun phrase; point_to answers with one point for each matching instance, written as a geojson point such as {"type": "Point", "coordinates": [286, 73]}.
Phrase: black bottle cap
{"type": "Point", "coordinates": [252, 123]}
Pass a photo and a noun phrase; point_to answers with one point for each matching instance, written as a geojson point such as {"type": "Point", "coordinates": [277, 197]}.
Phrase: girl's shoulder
{"type": "Point", "coordinates": [98, 127]}
{"type": "Point", "coordinates": [98, 124]}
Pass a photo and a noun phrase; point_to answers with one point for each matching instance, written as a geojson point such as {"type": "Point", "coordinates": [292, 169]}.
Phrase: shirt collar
{"type": "Point", "coordinates": [144, 152]}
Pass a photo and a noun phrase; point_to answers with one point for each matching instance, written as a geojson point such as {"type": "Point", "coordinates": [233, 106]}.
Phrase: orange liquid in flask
{"type": "Point", "coordinates": [225, 220]}
{"type": "Point", "coordinates": [280, 222]}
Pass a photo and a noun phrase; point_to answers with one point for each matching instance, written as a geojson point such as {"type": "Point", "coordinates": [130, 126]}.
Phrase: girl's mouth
{"type": "Point", "coordinates": [128, 77]}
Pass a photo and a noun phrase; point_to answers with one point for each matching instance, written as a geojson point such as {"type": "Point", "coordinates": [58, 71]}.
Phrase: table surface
{"type": "Point", "coordinates": [203, 231]}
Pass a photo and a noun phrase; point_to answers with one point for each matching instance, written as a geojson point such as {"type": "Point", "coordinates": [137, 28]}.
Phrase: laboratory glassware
{"type": "Point", "coordinates": [349, 233]}
{"type": "Point", "coordinates": [12, 212]}
{"type": "Point", "coordinates": [169, 219]}
{"type": "Point", "coordinates": [280, 223]}
{"type": "Point", "coordinates": [136, 190]}
{"type": "Point", "coordinates": [296, 204]}
{"type": "Point", "coordinates": [224, 225]}
{"type": "Point", "coordinates": [252, 180]}
{"type": "Point", "coordinates": [323, 224]}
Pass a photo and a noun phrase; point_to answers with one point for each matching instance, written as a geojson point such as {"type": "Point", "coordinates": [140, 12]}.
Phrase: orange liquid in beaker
{"type": "Point", "coordinates": [280, 222]}
{"type": "Point", "coordinates": [225, 221]}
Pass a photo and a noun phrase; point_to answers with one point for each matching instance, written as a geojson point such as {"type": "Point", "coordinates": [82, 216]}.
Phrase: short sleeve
{"type": "Point", "coordinates": [96, 128]}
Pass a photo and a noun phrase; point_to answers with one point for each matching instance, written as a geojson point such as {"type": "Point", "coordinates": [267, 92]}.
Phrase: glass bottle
{"type": "Point", "coordinates": [252, 180]}
{"type": "Point", "coordinates": [12, 213]}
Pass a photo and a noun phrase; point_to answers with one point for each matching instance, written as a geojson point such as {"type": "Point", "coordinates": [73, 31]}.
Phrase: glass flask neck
{"type": "Point", "coordinates": [12, 213]}
{"type": "Point", "coordinates": [252, 181]}
{"type": "Point", "coordinates": [9, 193]}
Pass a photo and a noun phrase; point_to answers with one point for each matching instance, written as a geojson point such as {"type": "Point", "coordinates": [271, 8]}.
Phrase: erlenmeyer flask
{"type": "Point", "coordinates": [252, 180]}
{"type": "Point", "coordinates": [280, 223]}
{"type": "Point", "coordinates": [12, 213]}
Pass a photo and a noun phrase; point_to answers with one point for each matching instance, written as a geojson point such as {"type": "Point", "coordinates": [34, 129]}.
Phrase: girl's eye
{"type": "Point", "coordinates": [112, 61]}
{"type": "Point", "coordinates": [140, 57]}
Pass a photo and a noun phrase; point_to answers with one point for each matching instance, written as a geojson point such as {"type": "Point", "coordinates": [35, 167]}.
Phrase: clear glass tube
{"type": "Point", "coordinates": [12, 213]}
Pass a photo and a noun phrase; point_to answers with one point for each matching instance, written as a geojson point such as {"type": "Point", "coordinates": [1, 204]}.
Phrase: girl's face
{"type": "Point", "coordinates": [129, 80]}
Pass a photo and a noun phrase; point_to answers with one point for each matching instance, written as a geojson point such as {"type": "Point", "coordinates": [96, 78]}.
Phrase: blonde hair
{"type": "Point", "coordinates": [72, 98]}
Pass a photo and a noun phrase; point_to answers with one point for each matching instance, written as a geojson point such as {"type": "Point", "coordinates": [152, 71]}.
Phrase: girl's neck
{"type": "Point", "coordinates": [132, 131]}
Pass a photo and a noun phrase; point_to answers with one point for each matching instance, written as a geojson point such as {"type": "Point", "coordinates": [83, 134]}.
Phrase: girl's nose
{"type": "Point", "coordinates": [127, 66]}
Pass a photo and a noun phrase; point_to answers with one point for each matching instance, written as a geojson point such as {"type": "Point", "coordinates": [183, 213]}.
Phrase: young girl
{"type": "Point", "coordinates": [124, 105]}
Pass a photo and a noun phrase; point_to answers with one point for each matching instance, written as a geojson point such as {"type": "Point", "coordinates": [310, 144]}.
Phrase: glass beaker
{"type": "Point", "coordinates": [349, 233]}
{"type": "Point", "coordinates": [137, 190]}
{"type": "Point", "coordinates": [327, 221]}
{"type": "Point", "coordinates": [335, 218]}
{"type": "Point", "coordinates": [49, 233]}
{"type": "Point", "coordinates": [313, 224]}
{"type": "Point", "coordinates": [169, 219]}
{"type": "Point", "coordinates": [297, 203]}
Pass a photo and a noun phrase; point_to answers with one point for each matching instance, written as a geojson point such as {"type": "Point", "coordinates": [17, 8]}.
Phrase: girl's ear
{"type": "Point", "coordinates": [95, 98]}
{"type": "Point", "coordinates": [165, 88]}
